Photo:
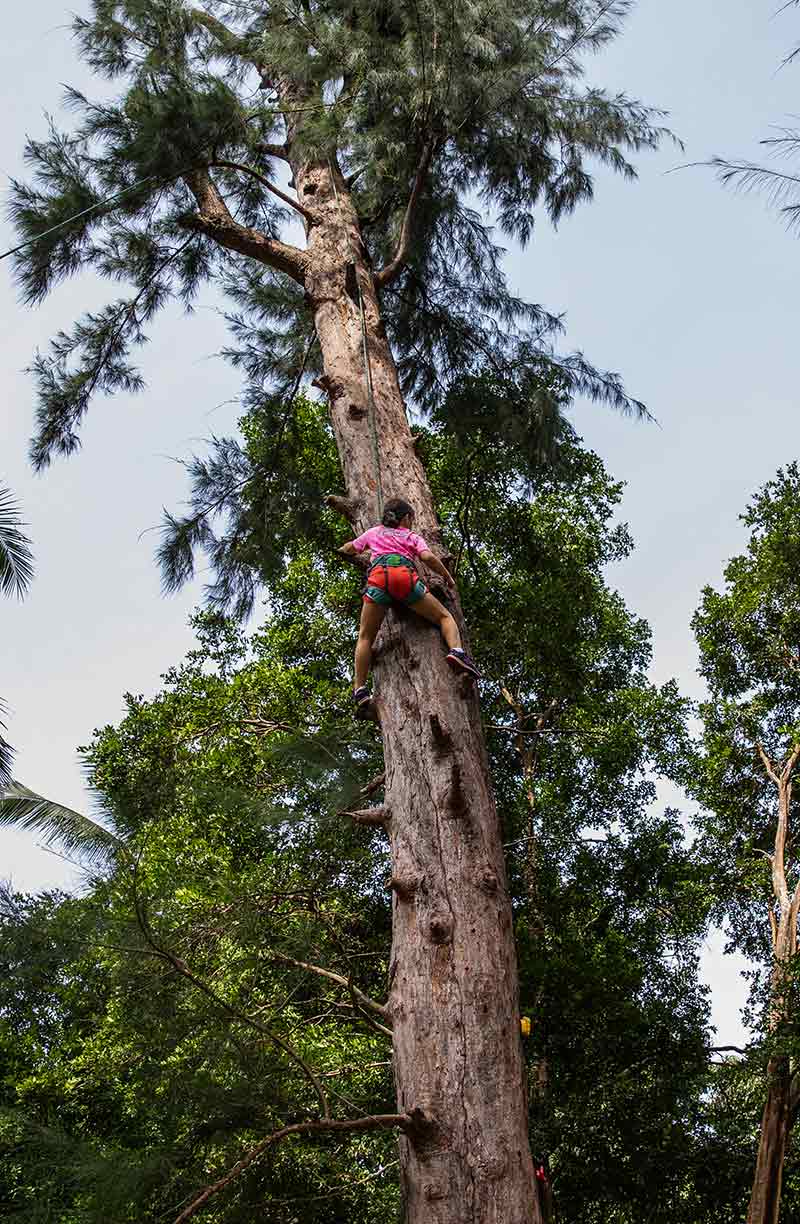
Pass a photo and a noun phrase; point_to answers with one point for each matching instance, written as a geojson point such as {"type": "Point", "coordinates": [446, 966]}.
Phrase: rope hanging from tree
{"type": "Point", "coordinates": [367, 368]}
{"type": "Point", "coordinates": [371, 404]}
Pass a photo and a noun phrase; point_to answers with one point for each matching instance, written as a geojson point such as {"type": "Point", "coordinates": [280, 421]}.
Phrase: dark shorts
{"type": "Point", "coordinates": [393, 579]}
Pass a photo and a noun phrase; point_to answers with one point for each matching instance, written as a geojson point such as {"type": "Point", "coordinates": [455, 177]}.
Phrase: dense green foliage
{"type": "Point", "coordinates": [748, 636]}
{"type": "Point", "coordinates": [136, 1084]}
{"type": "Point", "coordinates": [159, 1026]}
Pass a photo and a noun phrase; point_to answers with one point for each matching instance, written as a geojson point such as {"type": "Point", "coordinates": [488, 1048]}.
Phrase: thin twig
{"type": "Point", "coordinates": [379, 1008]}
{"type": "Point", "coordinates": [370, 1122]}
{"type": "Point", "coordinates": [183, 969]}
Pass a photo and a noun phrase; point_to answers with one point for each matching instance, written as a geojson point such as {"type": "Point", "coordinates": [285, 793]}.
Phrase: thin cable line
{"type": "Point", "coordinates": [85, 213]}
{"type": "Point", "coordinates": [371, 403]}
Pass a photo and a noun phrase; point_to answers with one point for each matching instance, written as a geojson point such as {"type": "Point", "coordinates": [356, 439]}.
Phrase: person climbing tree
{"type": "Point", "coordinates": [393, 578]}
{"type": "Point", "coordinates": [385, 138]}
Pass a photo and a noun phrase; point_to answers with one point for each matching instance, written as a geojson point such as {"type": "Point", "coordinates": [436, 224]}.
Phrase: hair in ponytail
{"type": "Point", "coordinates": [395, 511]}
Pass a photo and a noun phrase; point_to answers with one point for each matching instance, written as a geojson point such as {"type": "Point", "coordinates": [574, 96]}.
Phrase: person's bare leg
{"type": "Point", "coordinates": [432, 610]}
{"type": "Point", "coordinates": [372, 615]}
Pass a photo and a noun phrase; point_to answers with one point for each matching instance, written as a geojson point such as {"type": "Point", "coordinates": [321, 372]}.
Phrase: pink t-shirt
{"type": "Point", "coordinates": [381, 540]}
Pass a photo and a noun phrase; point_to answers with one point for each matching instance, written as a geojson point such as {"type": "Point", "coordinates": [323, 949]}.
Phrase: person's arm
{"type": "Point", "coordinates": [433, 562]}
{"type": "Point", "coordinates": [352, 553]}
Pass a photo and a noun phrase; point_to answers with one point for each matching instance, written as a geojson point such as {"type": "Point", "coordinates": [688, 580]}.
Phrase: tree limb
{"type": "Point", "coordinates": [379, 1008]}
{"type": "Point", "coordinates": [394, 267]}
{"type": "Point", "coordinates": [346, 506]}
{"type": "Point", "coordinates": [373, 786]}
{"type": "Point", "coordinates": [368, 816]}
{"type": "Point", "coordinates": [368, 1123]}
{"type": "Point", "coordinates": [231, 44]}
{"type": "Point", "coordinates": [267, 149]}
{"type": "Point", "coordinates": [215, 221]}
{"type": "Point", "coordinates": [794, 907]}
{"type": "Point", "coordinates": [384, 1062]}
{"type": "Point", "coordinates": [768, 764]}
{"type": "Point", "coordinates": [779, 883]}
{"type": "Point", "coordinates": [788, 768]}
{"type": "Point", "coordinates": [264, 181]}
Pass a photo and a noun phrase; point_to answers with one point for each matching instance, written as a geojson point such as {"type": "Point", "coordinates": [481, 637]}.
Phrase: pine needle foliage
{"type": "Point", "coordinates": [780, 187]}
{"type": "Point", "coordinates": [491, 96]}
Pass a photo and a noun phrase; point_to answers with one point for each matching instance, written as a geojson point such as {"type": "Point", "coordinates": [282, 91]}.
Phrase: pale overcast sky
{"type": "Point", "coordinates": [686, 289]}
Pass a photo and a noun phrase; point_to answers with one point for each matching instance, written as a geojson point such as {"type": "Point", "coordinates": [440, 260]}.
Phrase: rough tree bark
{"type": "Point", "coordinates": [453, 994]}
{"type": "Point", "coordinates": [778, 1115]}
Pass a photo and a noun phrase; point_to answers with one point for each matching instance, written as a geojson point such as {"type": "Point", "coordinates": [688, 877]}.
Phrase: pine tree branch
{"type": "Point", "coordinates": [260, 178]}
{"type": "Point", "coordinates": [367, 1123]}
{"type": "Point", "coordinates": [266, 149]}
{"type": "Point", "coordinates": [231, 44]}
{"type": "Point", "coordinates": [215, 221]}
{"type": "Point", "coordinates": [379, 1008]}
{"type": "Point", "coordinates": [394, 267]}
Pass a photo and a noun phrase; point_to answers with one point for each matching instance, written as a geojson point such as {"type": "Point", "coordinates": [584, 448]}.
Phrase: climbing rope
{"type": "Point", "coordinates": [367, 370]}
{"type": "Point", "coordinates": [371, 404]}
{"type": "Point", "coordinates": [108, 202]}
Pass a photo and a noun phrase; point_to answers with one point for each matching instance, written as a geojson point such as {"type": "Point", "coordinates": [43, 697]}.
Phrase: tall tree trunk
{"type": "Point", "coordinates": [765, 1200]}
{"type": "Point", "coordinates": [453, 994]}
{"type": "Point", "coordinates": [776, 1121]}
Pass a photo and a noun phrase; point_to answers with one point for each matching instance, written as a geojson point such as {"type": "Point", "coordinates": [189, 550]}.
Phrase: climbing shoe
{"type": "Point", "coordinates": [459, 660]}
{"type": "Point", "coordinates": [363, 699]}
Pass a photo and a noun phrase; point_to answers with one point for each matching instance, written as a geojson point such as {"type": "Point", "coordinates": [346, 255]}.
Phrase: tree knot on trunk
{"type": "Point", "coordinates": [493, 1168]}
{"type": "Point", "coordinates": [423, 1129]}
{"type": "Point", "coordinates": [457, 799]}
{"type": "Point", "coordinates": [442, 739]}
{"type": "Point", "coordinates": [348, 506]}
{"type": "Point", "coordinates": [441, 928]}
{"type": "Point", "coordinates": [405, 886]}
{"type": "Point", "coordinates": [488, 881]}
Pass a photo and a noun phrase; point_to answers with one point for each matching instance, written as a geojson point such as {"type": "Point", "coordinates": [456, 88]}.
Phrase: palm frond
{"type": "Point", "coordinates": [6, 757]}
{"type": "Point", "coordinates": [16, 558]}
{"type": "Point", "coordinates": [71, 831]}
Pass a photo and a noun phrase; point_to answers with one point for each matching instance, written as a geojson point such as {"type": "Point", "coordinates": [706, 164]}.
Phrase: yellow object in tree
{"type": "Point", "coordinates": [525, 1025]}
